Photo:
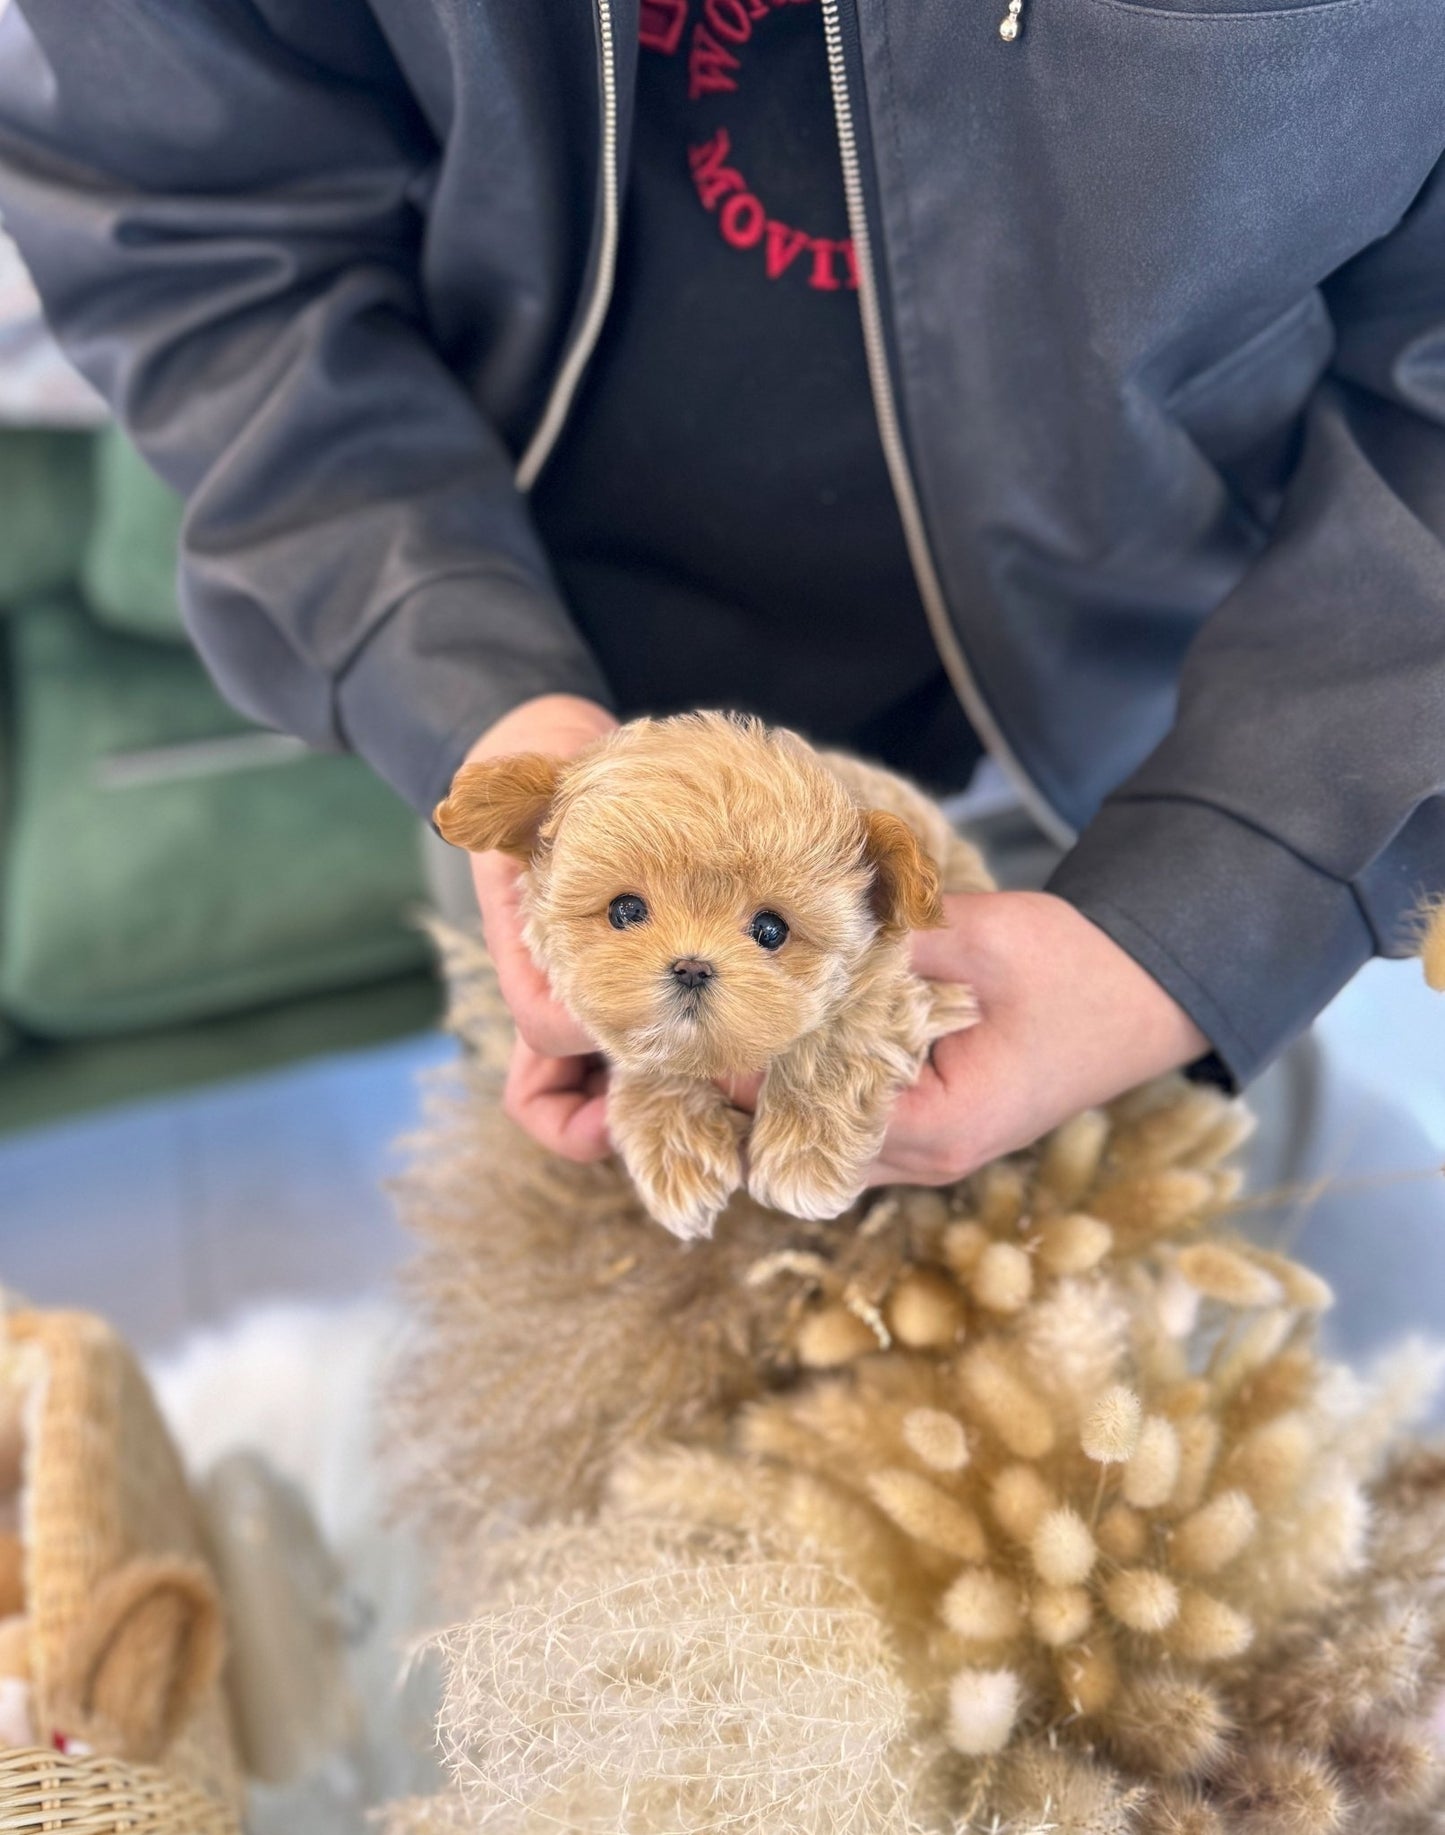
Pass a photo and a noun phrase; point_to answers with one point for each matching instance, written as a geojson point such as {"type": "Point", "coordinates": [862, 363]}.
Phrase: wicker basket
{"type": "Point", "coordinates": [104, 1499]}
{"type": "Point", "coordinates": [95, 1796]}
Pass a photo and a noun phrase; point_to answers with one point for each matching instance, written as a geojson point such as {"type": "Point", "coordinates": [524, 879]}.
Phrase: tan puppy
{"type": "Point", "coordinates": [711, 896]}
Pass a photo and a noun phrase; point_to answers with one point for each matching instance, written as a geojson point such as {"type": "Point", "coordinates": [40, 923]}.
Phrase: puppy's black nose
{"type": "Point", "coordinates": [691, 972]}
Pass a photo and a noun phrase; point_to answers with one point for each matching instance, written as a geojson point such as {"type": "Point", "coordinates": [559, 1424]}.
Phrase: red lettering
{"type": "Point", "coordinates": [742, 220]}
{"type": "Point", "coordinates": [713, 179]}
{"type": "Point", "coordinates": [708, 66]}
{"type": "Point", "coordinates": [784, 246]}
{"type": "Point", "coordinates": [729, 19]}
{"type": "Point", "coordinates": [661, 24]}
{"type": "Point", "coordinates": [850, 265]}
{"type": "Point", "coordinates": [823, 278]}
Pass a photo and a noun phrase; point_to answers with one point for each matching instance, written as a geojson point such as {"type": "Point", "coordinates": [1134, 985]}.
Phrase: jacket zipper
{"type": "Point", "coordinates": [885, 408]}
{"type": "Point", "coordinates": [574, 364]}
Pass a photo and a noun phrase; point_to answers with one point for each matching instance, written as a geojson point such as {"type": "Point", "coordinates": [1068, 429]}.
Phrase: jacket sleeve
{"type": "Point", "coordinates": [1292, 821]}
{"type": "Point", "coordinates": [227, 239]}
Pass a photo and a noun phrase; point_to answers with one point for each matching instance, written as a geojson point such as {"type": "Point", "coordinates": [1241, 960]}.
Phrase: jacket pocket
{"type": "Point", "coordinates": [1226, 9]}
{"type": "Point", "coordinates": [1243, 411]}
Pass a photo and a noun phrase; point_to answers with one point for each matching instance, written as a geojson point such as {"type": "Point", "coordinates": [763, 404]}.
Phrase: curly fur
{"type": "Point", "coordinates": [706, 820]}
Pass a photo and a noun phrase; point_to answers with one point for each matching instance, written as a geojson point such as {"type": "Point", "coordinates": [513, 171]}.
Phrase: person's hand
{"type": "Point", "coordinates": [555, 1084]}
{"type": "Point", "coordinates": [1069, 1020]}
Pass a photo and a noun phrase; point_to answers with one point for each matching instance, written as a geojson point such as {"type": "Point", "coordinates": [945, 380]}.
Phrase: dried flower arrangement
{"type": "Point", "coordinates": [1432, 945]}
{"type": "Point", "coordinates": [1031, 1506]}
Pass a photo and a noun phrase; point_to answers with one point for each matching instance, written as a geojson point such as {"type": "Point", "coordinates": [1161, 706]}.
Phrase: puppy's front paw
{"type": "Point", "coordinates": [801, 1166]}
{"type": "Point", "coordinates": [686, 1175]}
{"type": "Point", "coordinates": [952, 1007]}
{"type": "Point", "coordinates": [684, 1156]}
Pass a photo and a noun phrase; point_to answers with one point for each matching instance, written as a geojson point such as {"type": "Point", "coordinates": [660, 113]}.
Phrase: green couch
{"type": "Point", "coordinates": [181, 893]}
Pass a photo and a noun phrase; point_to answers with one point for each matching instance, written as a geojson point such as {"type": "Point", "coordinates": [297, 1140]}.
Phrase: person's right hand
{"type": "Point", "coordinates": [556, 1084]}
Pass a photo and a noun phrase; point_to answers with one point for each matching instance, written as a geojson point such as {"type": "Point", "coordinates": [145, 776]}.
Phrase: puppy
{"type": "Point", "coordinates": [710, 896]}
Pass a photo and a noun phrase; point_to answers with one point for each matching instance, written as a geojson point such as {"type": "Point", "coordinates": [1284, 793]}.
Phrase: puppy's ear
{"type": "Point", "coordinates": [906, 893]}
{"type": "Point", "coordinates": [501, 803]}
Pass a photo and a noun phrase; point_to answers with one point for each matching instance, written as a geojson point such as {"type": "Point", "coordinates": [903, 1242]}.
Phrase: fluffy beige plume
{"type": "Point", "coordinates": [983, 1606]}
{"type": "Point", "coordinates": [1153, 1468]}
{"type": "Point", "coordinates": [938, 1439]}
{"type": "Point", "coordinates": [1213, 1535]}
{"type": "Point", "coordinates": [1272, 1791]}
{"type": "Point", "coordinates": [928, 1514]}
{"type": "Point", "coordinates": [946, 1516]}
{"type": "Point", "coordinates": [1123, 1533]}
{"type": "Point", "coordinates": [1071, 1342]}
{"type": "Point", "coordinates": [962, 1246]}
{"type": "Point", "coordinates": [1142, 1599]}
{"type": "Point", "coordinates": [1020, 1498]}
{"type": "Point", "coordinates": [1164, 1725]}
{"type": "Point", "coordinates": [1069, 1163]}
{"type": "Point", "coordinates": [925, 1310]}
{"type": "Point", "coordinates": [834, 1336]}
{"type": "Point", "coordinates": [1074, 1245]}
{"type": "Point", "coordinates": [983, 1705]}
{"type": "Point", "coordinates": [1222, 1272]}
{"type": "Point", "coordinates": [1147, 1207]}
{"type": "Point", "coordinates": [1002, 1278]}
{"type": "Point", "coordinates": [1006, 1404]}
{"type": "Point", "coordinates": [1063, 1548]}
{"type": "Point", "coordinates": [1178, 1809]}
{"type": "Point", "coordinates": [1206, 1630]}
{"type": "Point", "coordinates": [1432, 945]}
{"type": "Point", "coordinates": [1088, 1676]}
{"type": "Point", "coordinates": [1112, 1426]}
{"type": "Point", "coordinates": [1043, 1788]}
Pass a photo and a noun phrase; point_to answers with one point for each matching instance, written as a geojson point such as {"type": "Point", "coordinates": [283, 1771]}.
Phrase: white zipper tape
{"type": "Point", "coordinates": [574, 365]}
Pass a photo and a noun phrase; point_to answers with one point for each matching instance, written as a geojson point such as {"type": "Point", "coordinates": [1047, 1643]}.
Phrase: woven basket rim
{"type": "Point", "coordinates": [41, 1788]}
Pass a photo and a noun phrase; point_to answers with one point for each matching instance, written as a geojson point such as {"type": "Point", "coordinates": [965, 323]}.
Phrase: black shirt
{"type": "Point", "coordinates": [718, 509]}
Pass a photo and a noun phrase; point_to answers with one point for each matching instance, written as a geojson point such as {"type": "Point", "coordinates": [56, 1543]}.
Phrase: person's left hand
{"type": "Point", "coordinates": [1069, 1020]}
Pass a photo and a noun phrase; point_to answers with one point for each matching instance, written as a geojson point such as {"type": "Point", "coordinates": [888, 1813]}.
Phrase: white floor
{"type": "Point", "coordinates": [179, 1212]}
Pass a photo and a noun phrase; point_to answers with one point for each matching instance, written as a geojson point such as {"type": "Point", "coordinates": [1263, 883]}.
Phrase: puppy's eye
{"type": "Point", "coordinates": [626, 910]}
{"type": "Point", "coordinates": [768, 930]}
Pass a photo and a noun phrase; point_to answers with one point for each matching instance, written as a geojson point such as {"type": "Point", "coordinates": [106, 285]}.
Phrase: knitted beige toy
{"type": "Point", "coordinates": [111, 1656]}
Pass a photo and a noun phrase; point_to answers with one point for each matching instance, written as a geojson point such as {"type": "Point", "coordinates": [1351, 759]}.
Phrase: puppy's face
{"type": "Point", "coordinates": [703, 889]}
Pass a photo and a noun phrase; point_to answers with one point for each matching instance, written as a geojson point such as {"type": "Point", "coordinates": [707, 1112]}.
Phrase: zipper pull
{"type": "Point", "coordinates": [1011, 25]}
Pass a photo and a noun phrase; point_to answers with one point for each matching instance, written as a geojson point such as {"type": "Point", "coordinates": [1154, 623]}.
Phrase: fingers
{"type": "Point", "coordinates": [541, 1018]}
{"type": "Point", "coordinates": [952, 953]}
{"type": "Point", "coordinates": [954, 1119]}
{"type": "Point", "coordinates": [560, 1102]}
{"type": "Point", "coordinates": [742, 1091]}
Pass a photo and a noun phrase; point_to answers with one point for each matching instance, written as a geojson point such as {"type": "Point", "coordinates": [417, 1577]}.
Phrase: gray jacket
{"type": "Point", "coordinates": [1154, 298]}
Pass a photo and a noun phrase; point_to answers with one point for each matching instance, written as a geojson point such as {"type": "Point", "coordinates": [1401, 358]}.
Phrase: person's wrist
{"type": "Point", "coordinates": [560, 724]}
{"type": "Point", "coordinates": [1151, 1023]}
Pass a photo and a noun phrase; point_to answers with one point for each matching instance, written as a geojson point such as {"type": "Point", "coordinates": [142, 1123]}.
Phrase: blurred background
{"type": "Point", "coordinates": [215, 1000]}
{"type": "Point", "coordinates": [213, 990]}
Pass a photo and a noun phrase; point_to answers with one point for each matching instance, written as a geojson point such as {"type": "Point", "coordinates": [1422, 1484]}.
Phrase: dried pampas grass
{"type": "Point", "coordinates": [553, 1325]}
{"type": "Point", "coordinates": [1032, 1505]}
{"type": "Point", "coordinates": [646, 1676]}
